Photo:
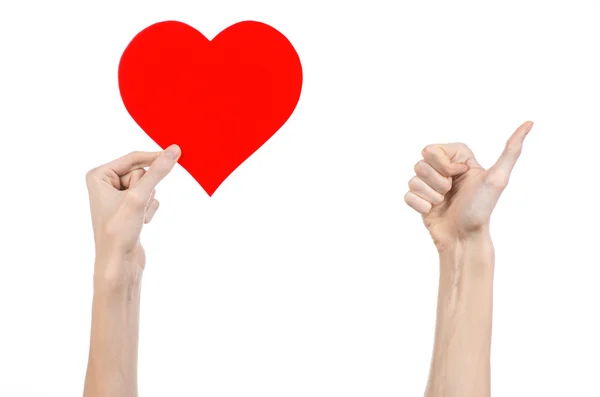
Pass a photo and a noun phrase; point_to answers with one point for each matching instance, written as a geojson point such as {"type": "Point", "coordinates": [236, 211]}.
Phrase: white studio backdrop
{"type": "Point", "coordinates": [306, 274]}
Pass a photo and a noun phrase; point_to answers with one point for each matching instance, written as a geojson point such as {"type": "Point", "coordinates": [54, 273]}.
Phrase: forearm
{"type": "Point", "coordinates": [460, 364]}
{"type": "Point", "coordinates": [112, 365]}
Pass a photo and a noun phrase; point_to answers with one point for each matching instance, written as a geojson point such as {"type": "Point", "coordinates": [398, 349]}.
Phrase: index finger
{"type": "Point", "coordinates": [441, 157]}
{"type": "Point", "coordinates": [132, 161]}
{"type": "Point", "coordinates": [158, 170]}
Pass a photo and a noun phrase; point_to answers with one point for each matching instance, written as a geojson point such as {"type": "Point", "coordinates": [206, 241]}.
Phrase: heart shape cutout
{"type": "Point", "coordinates": [220, 100]}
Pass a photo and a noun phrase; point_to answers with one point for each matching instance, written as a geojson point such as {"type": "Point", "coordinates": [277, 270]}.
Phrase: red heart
{"type": "Point", "coordinates": [219, 100]}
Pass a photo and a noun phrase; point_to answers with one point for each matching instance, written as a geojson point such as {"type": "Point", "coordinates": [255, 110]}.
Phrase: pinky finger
{"type": "Point", "coordinates": [417, 203]}
{"type": "Point", "coordinates": [151, 210]}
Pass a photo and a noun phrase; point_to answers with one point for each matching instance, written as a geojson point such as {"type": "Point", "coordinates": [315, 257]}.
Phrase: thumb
{"type": "Point", "coordinates": [158, 170]}
{"type": "Point", "coordinates": [500, 172]}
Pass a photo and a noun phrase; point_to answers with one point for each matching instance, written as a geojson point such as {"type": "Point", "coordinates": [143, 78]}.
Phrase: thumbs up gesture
{"type": "Point", "coordinates": [454, 193]}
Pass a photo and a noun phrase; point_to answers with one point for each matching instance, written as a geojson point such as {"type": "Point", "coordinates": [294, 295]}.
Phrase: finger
{"type": "Point", "coordinates": [426, 192]}
{"type": "Point", "coordinates": [150, 200]}
{"type": "Point", "coordinates": [152, 207]}
{"type": "Point", "coordinates": [159, 169]}
{"type": "Point", "coordinates": [501, 171]}
{"type": "Point", "coordinates": [130, 179]}
{"type": "Point", "coordinates": [152, 195]}
{"type": "Point", "coordinates": [132, 161]}
{"type": "Point", "coordinates": [445, 158]}
{"type": "Point", "coordinates": [430, 176]}
{"type": "Point", "coordinates": [472, 163]}
{"type": "Point", "coordinates": [417, 203]}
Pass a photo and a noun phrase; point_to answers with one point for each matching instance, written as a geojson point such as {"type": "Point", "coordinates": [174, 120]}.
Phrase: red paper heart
{"type": "Point", "coordinates": [219, 100]}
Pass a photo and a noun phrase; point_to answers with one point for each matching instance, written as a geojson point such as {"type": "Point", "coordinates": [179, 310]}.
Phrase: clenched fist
{"type": "Point", "coordinates": [454, 193]}
{"type": "Point", "coordinates": [121, 202]}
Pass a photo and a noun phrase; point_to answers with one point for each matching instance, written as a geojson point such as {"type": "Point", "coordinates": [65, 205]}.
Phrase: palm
{"type": "Point", "coordinates": [465, 207]}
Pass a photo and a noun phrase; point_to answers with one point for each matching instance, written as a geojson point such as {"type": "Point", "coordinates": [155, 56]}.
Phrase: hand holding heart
{"type": "Point", "coordinates": [455, 194]}
{"type": "Point", "coordinates": [122, 200]}
{"type": "Point", "coordinates": [219, 100]}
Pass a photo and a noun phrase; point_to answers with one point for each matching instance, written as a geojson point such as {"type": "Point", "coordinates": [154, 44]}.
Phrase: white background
{"type": "Point", "coordinates": [306, 274]}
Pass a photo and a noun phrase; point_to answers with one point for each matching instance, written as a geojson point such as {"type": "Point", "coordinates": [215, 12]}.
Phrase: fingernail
{"type": "Point", "coordinates": [173, 152]}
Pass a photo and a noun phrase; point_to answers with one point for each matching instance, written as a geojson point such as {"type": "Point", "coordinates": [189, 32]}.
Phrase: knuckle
{"type": "Point", "coordinates": [446, 185]}
{"type": "Point", "coordinates": [423, 208]}
{"type": "Point", "coordinates": [420, 168]}
{"type": "Point", "coordinates": [427, 209]}
{"type": "Point", "coordinates": [90, 174]}
{"type": "Point", "coordinates": [413, 182]}
{"type": "Point", "coordinates": [437, 199]}
{"type": "Point", "coordinates": [428, 150]}
{"type": "Point", "coordinates": [446, 168]}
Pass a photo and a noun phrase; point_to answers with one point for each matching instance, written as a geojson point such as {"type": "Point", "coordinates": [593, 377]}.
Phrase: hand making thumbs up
{"type": "Point", "coordinates": [455, 194]}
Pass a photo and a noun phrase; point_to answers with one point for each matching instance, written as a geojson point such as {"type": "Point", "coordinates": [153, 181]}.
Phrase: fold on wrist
{"type": "Point", "coordinates": [473, 238]}
{"type": "Point", "coordinates": [473, 252]}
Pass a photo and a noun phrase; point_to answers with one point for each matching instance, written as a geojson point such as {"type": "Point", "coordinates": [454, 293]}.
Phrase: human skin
{"type": "Point", "coordinates": [456, 197]}
{"type": "Point", "coordinates": [122, 200]}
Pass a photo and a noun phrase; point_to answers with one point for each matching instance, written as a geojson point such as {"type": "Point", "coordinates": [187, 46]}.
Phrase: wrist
{"type": "Point", "coordinates": [471, 254]}
{"type": "Point", "coordinates": [467, 278]}
{"type": "Point", "coordinates": [475, 238]}
{"type": "Point", "coordinates": [117, 274]}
